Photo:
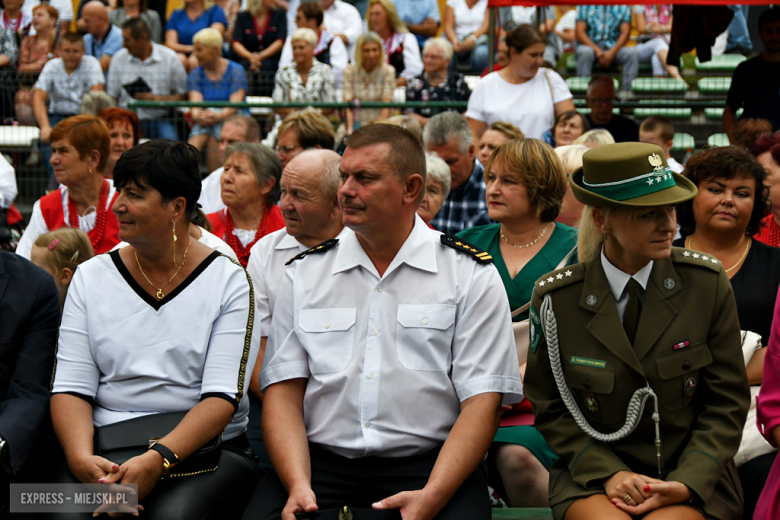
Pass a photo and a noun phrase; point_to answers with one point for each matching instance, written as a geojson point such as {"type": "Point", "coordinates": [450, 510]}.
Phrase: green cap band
{"type": "Point", "coordinates": [660, 179]}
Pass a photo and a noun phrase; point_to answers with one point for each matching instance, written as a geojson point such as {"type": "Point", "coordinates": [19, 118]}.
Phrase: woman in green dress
{"type": "Point", "coordinates": [525, 189]}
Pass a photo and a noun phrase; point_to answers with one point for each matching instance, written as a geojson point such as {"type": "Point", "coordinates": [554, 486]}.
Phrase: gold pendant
{"type": "Point", "coordinates": [160, 294]}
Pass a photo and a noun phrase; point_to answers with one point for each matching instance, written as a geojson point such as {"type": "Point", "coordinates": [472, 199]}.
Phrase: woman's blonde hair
{"type": "Point", "coordinates": [392, 16]}
{"type": "Point", "coordinates": [536, 165]}
{"type": "Point", "coordinates": [253, 6]}
{"type": "Point", "coordinates": [208, 37]}
{"type": "Point", "coordinates": [571, 156]}
{"type": "Point", "coordinates": [69, 248]}
{"type": "Point", "coordinates": [600, 136]}
{"type": "Point", "coordinates": [590, 238]}
{"type": "Point", "coordinates": [368, 37]}
{"type": "Point", "coordinates": [306, 35]}
{"type": "Point", "coordinates": [508, 129]}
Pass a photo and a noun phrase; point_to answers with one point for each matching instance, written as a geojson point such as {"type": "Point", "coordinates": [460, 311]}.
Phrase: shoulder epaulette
{"type": "Point", "coordinates": [689, 256]}
{"type": "Point", "coordinates": [459, 244]}
{"type": "Point", "coordinates": [559, 278]}
{"type": "Point", "coordinates": [320, 248]}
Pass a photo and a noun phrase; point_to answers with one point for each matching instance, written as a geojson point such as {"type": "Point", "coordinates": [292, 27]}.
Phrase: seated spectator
{"type": "Point", "coordinates": [238, 128]}
{"type": "Point", "coordinates": [755, 84]}
{"type": "Point", "coordinates": [231, 8]}
{"type": "Point", "coordinates": [568, 126]}
{"type": "Point", "coordinates": [185, 23]}
{"type": "Point", "coordinates": [571, 208]}
{"type": "Point", "coordinates": [216, 79]}
{"type": "Point", "coordinates": [525, 188]}
{"type": "Point", "coordinates": [59, 253]}
{"type": "Point", "coordinates": [158, 67]}
{"type": "Point", "coordinates": [502, 57]}
{"type": "Point", "coordinates": [602, 34]}
{"type": "Point", "coordinates": [250, 189]}
{"type": "Point", "coordinates": [537, 95]}
{"type": "Point", "coordinates": [303, 79]}
{"type": "Point", "coordinates": [437, 187]}
{"type": "Point", "coordinates": [193, 317]}
{"type": "Point", "coordinates": [466, 27]}
{"type": "Point", "coordinates": [33, 56]}
{"type": "Point", "coordinates": [497, 134]}
{"type": "Point", "coordinates": [448, 135]}
{"type": "Point", "coordinates": [81, 150]}
{"type": "Point", "coordinates": [258, 50]}
{"type": "Point", "coordinates": [516, 16]}
{"type": "Point", "coordinates": [595, 137]}
{"type": "Point", "coordinates": [747, 131]}
{"type": "Point", "coordinates": [654, 23]}
{"type": "Point", "coordinates": [63, 7]}
{"type": "Point", "coordinates": [9, 56]}
{"type": "Point", "coordinates": [126, 9]}
{"type": "Point", "coordinates": [368, 79]}
{"type": "Point", "coordinates": [406, 122]}
{"type": "Point", "coordinates": [731, 181]}
{"type": "Point", "coordinates": [330, 50]}
{"type": "Point", "coordinates": [422, 17]}
{"type": "Point", "coordinates": [766, 149]}
{"type": "Point", "coordinates": [437, 82]}
{"type": "Point", "coordinates": [401, 48]}
{"type": "Point", "coordinates": [343, 21]}
{"type": "Point", "coordinates": [301, 131]}
{"type": "Point", "coordinates": [312, 215]}
{"type": "Point", "coordinates": [124, 130]}
{"type": "Point", "coordinates": [565, 28]}
{"type": "Point", "coordinates": [29, 317]}
{"type": "Point", "coordinates": [13, 18]}
{"type": "Point", "coordinates": [103, 39]}
{"type": "Point", "coordinates": [61, 85]}
{"type": "Point", "coordinates": [659, 130]}
{"type": "Point", "coordinates": [601, 101]}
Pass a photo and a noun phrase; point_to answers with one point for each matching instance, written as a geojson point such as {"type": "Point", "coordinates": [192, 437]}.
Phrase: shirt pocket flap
{"type": "Point", "coordinates": [596, 380]}
{"type": "Point", "coordinates": [440, 317]}
{"type": "Point", "coordinates": [678, 362]}
{"type": "Point", "coordinates": [326, 320]}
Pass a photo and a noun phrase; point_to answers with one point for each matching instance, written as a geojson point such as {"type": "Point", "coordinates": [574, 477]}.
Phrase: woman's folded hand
{"type": "Point", "coordinates": [93, 469]}
{"type": "Point", "coordinates": [144, 470]}
{"type": "Point", "coordinates": [661, 494]}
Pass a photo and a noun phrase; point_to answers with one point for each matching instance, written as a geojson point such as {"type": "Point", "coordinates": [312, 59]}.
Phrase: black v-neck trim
{"type": "Point", "coordinates": [148, 298]}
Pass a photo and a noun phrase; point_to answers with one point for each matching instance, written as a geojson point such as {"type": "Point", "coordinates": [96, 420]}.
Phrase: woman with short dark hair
{"type": "Point", "coordinates": [567, 128]}
{"type": "Point", "coordinates": [183, 380]}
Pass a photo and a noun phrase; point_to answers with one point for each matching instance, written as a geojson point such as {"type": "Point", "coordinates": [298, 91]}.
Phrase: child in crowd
{"type": "Point", "coordinates": [660, 130]}
{"type": "Point", "coordinates": [59, 253]}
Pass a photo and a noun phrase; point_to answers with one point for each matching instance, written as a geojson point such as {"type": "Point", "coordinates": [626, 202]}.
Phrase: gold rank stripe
{"type": "Point", "coordinates": [484, 255]}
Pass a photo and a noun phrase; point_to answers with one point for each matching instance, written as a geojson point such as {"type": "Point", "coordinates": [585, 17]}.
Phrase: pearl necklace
{"type": "Point", "coordinates": [529, 244]}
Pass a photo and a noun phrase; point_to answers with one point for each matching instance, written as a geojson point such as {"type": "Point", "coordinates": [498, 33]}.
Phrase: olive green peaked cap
{"type": "Point", "coordinates": [629, 175]}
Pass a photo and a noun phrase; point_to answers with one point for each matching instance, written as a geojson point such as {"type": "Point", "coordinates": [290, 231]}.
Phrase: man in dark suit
{"type": "Point", "coordinates": [29, 318]}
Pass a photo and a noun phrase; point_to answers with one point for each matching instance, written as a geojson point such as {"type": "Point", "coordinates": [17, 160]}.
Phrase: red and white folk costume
{"type": "Point", "coordinates": [241, 240]}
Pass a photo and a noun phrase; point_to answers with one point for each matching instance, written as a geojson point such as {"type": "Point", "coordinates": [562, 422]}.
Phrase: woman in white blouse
{"type": "Point", "coordinates": [523, 93]}
{"type": "Point", "coordinates": [466, 27]}
{"type": "Point", "coordinates": [401, 48]}
{"type": "Point", "coordinates": [162, 325]}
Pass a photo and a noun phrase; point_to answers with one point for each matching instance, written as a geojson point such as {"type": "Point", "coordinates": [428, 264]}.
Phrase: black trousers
{"type": "Point", "coordinates": [338, 481]}
{"type": "Point", "coordinates": [220, 495]}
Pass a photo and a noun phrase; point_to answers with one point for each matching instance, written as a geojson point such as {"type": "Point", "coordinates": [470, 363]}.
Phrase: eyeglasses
{"type": "Point", "coordinates": [602, 101]}
{"type": "Point", "coordinates": [287, 150]}
{"type": "Point", "coordinates": [432, 57]}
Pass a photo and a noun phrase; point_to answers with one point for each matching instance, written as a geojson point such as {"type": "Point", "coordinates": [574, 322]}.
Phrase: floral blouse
{"type": "Point", "coordinates": [33, 49]}
{"type": "Point", "coordinates": [654, 15]}
{"type": "Point", "coordinates": [454, 88]}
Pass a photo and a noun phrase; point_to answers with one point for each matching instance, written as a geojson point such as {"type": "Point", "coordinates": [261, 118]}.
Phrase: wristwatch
{"type": "Point", "coordinates": [170, 459]}
{"type": "Point", "coordinates": [5, 462]}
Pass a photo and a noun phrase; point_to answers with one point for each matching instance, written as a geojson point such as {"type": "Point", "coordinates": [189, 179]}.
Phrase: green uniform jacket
{"type": "Point", "coordinates": [701, 385]}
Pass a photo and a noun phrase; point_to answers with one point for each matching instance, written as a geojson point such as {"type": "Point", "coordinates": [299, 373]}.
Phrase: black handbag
{"type": "Point", "coordinates": [121, 441]}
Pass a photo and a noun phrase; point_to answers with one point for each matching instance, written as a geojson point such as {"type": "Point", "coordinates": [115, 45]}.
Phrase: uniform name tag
{"type": "Point", "coordinates": [588, 362]}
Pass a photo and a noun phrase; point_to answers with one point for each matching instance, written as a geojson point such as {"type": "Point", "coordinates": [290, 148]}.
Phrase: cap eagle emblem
{"type": "Point", "coordinates": [657, 163]}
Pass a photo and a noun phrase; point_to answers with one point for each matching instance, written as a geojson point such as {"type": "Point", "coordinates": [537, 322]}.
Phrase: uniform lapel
{"type": "Point", "coordinates": [605, 325]}
{"type": "Point", "coordinates": [657, 311]}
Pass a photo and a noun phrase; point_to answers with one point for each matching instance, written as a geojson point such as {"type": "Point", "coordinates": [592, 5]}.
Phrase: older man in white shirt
{"type": "Point", "coordinates": [389, 357]}
{"type": "Point", "coordinates": [312, 215]}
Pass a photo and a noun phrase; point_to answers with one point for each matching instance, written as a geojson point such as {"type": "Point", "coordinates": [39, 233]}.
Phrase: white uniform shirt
{"type": "Point", "coordinates": [137, 356]}
{"type": "Point", "coordinates": [342, 18]}
{"type": "Point", "coordinates": [390, 358]}
{"type": "Point", "coordinates": [618, 280]}
{"type": "Point", "coordinates": [38, 227]}
{"type": "Point", "coordinates": [266, 269]}
{"type": "Point", "coordinates": [211, 192]}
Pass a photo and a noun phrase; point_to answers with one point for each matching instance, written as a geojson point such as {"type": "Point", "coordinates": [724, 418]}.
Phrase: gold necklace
{"type": "Point", "coordinates": [160, 294]}
{"type": "Point", "coordinates": [529, 244]}
{"type": "Point", "coordinates": [744, 253]}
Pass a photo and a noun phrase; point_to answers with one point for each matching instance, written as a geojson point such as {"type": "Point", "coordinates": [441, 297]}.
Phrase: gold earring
{"type": "Point", "coordinates": [175, 238]}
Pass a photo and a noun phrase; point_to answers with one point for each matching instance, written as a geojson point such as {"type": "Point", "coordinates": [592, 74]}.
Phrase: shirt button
{"type": "Point", "coordinates": [425, 321]}
{"type": "Point", "coordinates": [686, 365]}
{"type": "Point", "coordinates": [327, 325]}
{"type": "Point", "coordinates": [368, 424]}
{"type": "Point", "coordinates": [379, 289]}
{"type": "Point", "coordinates": [370, 376]}
{"type": "Point", "coordinates": [374, 332]}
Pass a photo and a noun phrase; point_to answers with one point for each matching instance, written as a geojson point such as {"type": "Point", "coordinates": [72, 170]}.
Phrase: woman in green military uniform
{"type": "Point", "coordinates": [639, 384]}
{"type": "Point", "coordinates": [526, 184]}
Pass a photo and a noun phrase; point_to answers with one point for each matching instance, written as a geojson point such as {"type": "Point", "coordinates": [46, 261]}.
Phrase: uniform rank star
{"type": "Point", "coordinates": [695, 255]}
{"type": "Point", "coordinates": [559, 276]}
{"type": "Point", "coordinates": [649, 182]}
{"type": "Point", "coordinates": [541, 284]}
{"type": "Point", "coordinates": [568, 273]}
{"type": "Point", "coordinates": [705, 258]}
{"type": "Point", "coordinates": [686, 253]}
{"type": "Point", "coordinates": [551, 279]}
{"type": "Point", "coordinates": [714, 261]}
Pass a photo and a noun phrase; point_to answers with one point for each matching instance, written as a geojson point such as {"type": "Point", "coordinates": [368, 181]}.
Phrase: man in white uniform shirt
{"type": "Point", "coordinates": [389, 356]}
{"type": "Point", "coordinates": [238, 128]}
{"type": "Point", "coordinates": [312, 215]}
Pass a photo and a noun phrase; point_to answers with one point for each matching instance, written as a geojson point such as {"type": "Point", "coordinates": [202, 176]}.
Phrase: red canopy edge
{"type": "Point", "coordinates": [539, 3]}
